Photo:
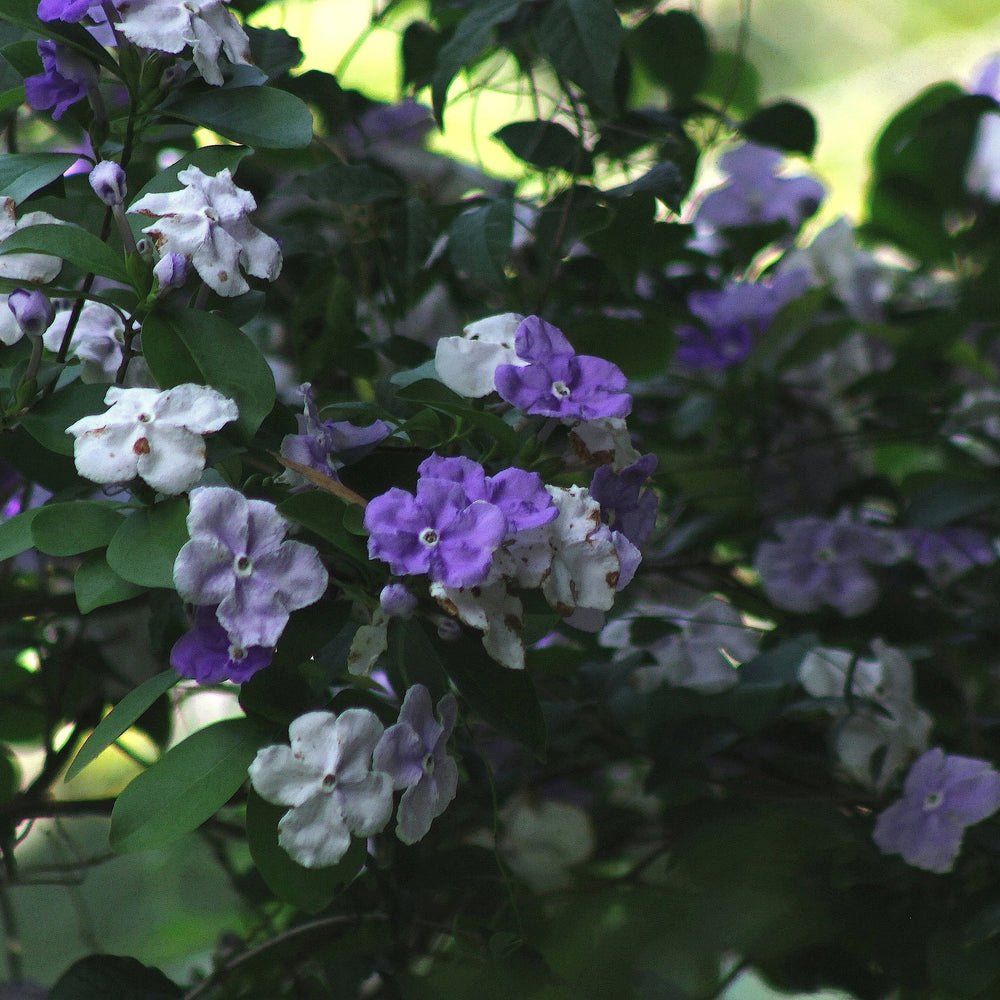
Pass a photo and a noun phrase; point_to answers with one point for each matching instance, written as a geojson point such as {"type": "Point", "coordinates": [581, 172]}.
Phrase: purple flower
{"type": "Point", "coordinates": [108, 181]}
{"type": "Point", "coordinates": [207, 655]}
{"type": "Point", "coordinates": [824, 562]}
{"type": "Point", "coordinates": [621, 495]}
{"type": "Point", "coordinates": [70, 11]}
{"type": "Point", "coordinates": [755, 195]}
{"type": "Point", "coordinates": [520, 495]}
{"type": "Point", "coordinates": [559, 383]}
{"type": "Point", "coordinates": [942, 795]}
{"type": "Point", "coordinates": [406, 123]}
{"type": "Point", "coordinates": [171, 271]}
{"type": "Point", "coordinates": [69, 76]}
{"type": "Point", "coordinates": [948, 553]}
{"type": "Point", "coordinates": [397, 601]}
{"type": "Point", "coordinates": [327, 446]}
{"type": "Point", "coordinates": [238, 559]}
{"type": "Point", "coordinates": [414, 753]}
{"type": "Point", "coordinates": [733, 318]}
{"type": "Point", "coordinates": [32, 311]}
{"type": "Point", "coordinates": [436, 532]}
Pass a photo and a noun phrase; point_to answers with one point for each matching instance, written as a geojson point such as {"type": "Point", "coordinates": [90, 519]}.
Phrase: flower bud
{"type": "Point", "coordinates": [108, 181]}
{"type": "Point", "coordinates": [397, 601]}
{"type": "Point", "coordinates": [171, 271]}
{"type": "Point", "coordinates": [32, 310]}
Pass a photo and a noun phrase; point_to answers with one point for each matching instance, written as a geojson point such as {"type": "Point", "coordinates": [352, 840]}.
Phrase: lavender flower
{"type": "Point", "coordinates": [942, 795]}
{"type": "Point", "coordinates": [824, 562]}
{"type": "Point", "coordinates": [326, 777]}
{"type": "Point", "coordinates": [207, 655]}
{"type": "Point", "coordinates": [414, 753]}
{"type": "Point", "coordinates": [733, 318]}
{"type": "Point", "coordinates": [949, 552]}
{"type": "Point", "coordinates": [437, 532]}
{"type": "Point", "coordinates": [108, 181]}
{"type": "Point", "coordinates": [623, 501]}
{"type": "Point", "coordinates": [397, 601]}
{"type": "Point", "coordinates": [755, 195]}
{"type": "Point", "coordinates": [70, 11]}
{"type": "Point", "coordinates": [559, 383]}
{"type": "Point", "coordinates": [68, 77]}
{"type": "Point", "coordinates": [33, 312]}
{"type": "Point", "coordinates": [238, 559]}
{"type": "Point", "coordinates": [327, 445]}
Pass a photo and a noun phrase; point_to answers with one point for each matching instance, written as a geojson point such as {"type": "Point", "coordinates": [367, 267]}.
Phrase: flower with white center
{"type": "Point", "coordinates": [154, 435]}
{"type": "Point", "coordinates": [468, 363]}
{"type": "Point", "coordinates": [238, 558]}
{"type": "Point", "coordinates": [207, 223]}
{"type": "Point", "coordinates": [208, 26]}
{"type": "Point", "coordinates": [326, 777]}
{"type": "Point", "coordinates": [414, 753]}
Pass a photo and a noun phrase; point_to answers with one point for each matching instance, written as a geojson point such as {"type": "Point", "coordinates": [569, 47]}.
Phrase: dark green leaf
{"type": "Point", "coordinates": [274, 50]}
{"type": "Point", "coordinates": [348, 184]}
{"type": "Point", "coordinates": [664, 181]}
{"type": "Point", "coordinates": [97, 584]}
{"type": "Point", "coordinates": [10, 775]}
{"type": "Point", "coordinates": [949, 500]}
{"type": "Point", "coordinates": [101, 977]}
{"type": "Point", "coordinates": [15, 534]}
{"type": "Point", "coordinates": [324, 514]}
{"type": "Point", "coordinates": [185, 787]}
{"type": "Point", "coordinates": [122, 717]}
{"type": "Point", "coordinates": [674, 49]}
{"type": "Point", "coordinates": [308, 889]}
{"type": "Point", "coordinates": [190, 345]}
{"type": "Point", "coordinates": [583, 40]}
{"type": "Point", "coordinates": [72, 244]}
{"type": "Point", "coordinates": [546, 145]}
{"type": "Point", "coordinates": [25, 13]}
{"type": "Point", "coordinates": [420, 48]}
{"type": "Point", "coordinates": [255, 116]}
{"type": "Point", "coordinates": [479, 241]}
{"type": "Point", "coordinates": [145, 546]}
{"type": "Point", "coordinates": [784, 125]}
{"type": "Point", "coordinates": [22, 174]}
{"type": "Point", "coordinates": [67, 529]}
{"type": "Point", "coordinates": [47, 421]}
{"type": "Point", "coordinates": [466, 44]}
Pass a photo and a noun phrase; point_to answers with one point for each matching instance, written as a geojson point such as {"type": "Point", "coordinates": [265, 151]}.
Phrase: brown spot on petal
{"type": "Point", "coordinates": [448, 605]}
{"type": "Point", "coordinates": [612, 579]}
{"type": "Point", "coordinates": [141, 447]}
{"type": "Point", "coordinates": [223, 276]}
{"type": "Point", "coordinates": [513, 622]}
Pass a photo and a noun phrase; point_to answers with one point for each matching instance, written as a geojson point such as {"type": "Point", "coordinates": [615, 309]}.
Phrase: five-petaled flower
{"type": "Point", "coordinates": [154, 435]}
{"type": "Point", "coordinates": [326, 777]}
{"type": "Point", "coordinates": [942, 795]}
{"type": "Point", "coordinates": [238, 558]}
{"type": "Point", "coordinates": [207, 222]}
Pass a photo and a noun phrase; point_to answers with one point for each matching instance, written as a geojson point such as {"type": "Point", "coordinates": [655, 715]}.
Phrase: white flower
{"type": "Point", "coordinates": [468, 363]}
{"type": "Point", "coordinates": [207, 223]}
{"type": "Point", "coordinates": [982, 174]}
{"type": "Point", "coordinates": [208, 26]}
{"type": "Point", "coordinates": [495, 611]}
{"type": "Point", "coordinates": [326, 777]}
{"type": "Point", "coordinates": [97, 341]}
{"type": "Point", "coordinates": [151, 434]}
{"type": "Point", "coordinates": [604, 441]}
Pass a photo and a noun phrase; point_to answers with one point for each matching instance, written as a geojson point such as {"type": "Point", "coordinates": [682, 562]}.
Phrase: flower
{"type": "Point", "coordinates": [949, 552]}
{"type": "Point", "coordinates": [468, 364]}
{"type": "Point", "coordinates": [70, 11]}
{"type": "Point", "coordinates": [621, 494]}
{"type": "Point", "coordinates": [436, 532]}
{"type": "Point", "coordinates": [108, 181]}
{"type": "Point", "coordinates": [208, 26]}
{"type": "Point", "coordinates": [326, 777]}
{"type": "Point", "coordinates": [33, 312]}
{"type": "Point", "coordinates": [68, 77]}
{"type": "Point", "coordinates": [35, 268]}
{"type": "Point", "coordinates": [238, 559]}
{"type": "Point", "coordinates": [824, 562]}
{"type": "Point", "coordinates": [98, 341]}
{"type": "Point", "coordinates": [397, 601]}
{"type": "Point", "coordinates": [207, 222]}
{"type": "Point", "coordinates": [150, 434]}
{"type": "Point", "coordinates": [755, 195]}
{"type": "Point", "coordinates": [414, 753]}
{"type": "Point", "coordinates": [556, 382]}
{"type": "Point", "coordinates": [942, 795]}
{"type": "Point", "coordinates": [207, 655]}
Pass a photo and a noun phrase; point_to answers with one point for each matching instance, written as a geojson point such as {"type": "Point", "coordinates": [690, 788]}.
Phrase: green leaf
{"type": "Point", "coordinates": [307, 889]}
{"type": "Point", "coordinates": [146, 544]}
{"type": "Point", "coordinates": [664, 181]}
{"type": "Point", "coordinates": [479, 241]}
{"type": "Point", "coordinates": [784, 125]}
{"type": "Point", "coordinates": [99, 977]}
{"type": "Point", "coordinates": [583, 40]}
{"type": "Point", "coordinates": [324, 514]}
{"type": "Point", "coordinates": [190, 345]}
{"type": "Point", "coordinates": [22, 174]}
{"type": "Point", "coordinates": [67, 529]}
{"type": "Point", "coordinates": [72, 244]}
{"type": "Point", "coordinates": [47, 421]}
{"type": "Point", "coordinates": [949, 500]}
{"type": "Point", "coordinates": [547, 145]}
{"type": "Point", "coordinates": [420, 49]}
{"type": "Point", "coordinates": [466, 44]}
{"type": "Point", "coordinates": [25, 13]}
{"type": "Point", "coordinates": [122, 717]}
{"type": "Point", "coordinates": [255, 116]}
{"type": "Point", "coordinates": [348, 184]}
{"type": "Point", "coordinates": [674, 49]}
{"type": "Point", "coordinates": [185, 787]}
{"type": "Point", "coordinates": [274, 50]}
{"type": "Point", "coordinates": [15, 534]}
{"type": "Point", "coordinates": [97, 584]}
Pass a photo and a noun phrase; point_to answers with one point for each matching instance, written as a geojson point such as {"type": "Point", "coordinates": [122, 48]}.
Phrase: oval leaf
{"type": "Point", "coordinates": [96, 584]}
{"type": "Point", "coordinates": [146, 544]}
{"type": "Point", "coordinates": [784, 125]}
{"type": "Point", "coordinates": [72, 244]}
{"type": "Point", "coordinates": [547, 145]}
{"type": "Point", "coordinates": [15, 534]}
{"type": "Point", "coordinates": [47, 421]}
{"type": "Point", "coordinates": [185, 787]}
{"type": "Point", "coordinates": [22, 174]}
{"type": "Point", "coordinates": [67, 529]}
{"type": "Point", "coordinates": [479, 241]}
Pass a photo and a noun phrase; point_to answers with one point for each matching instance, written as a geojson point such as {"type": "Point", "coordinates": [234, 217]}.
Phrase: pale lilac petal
{"type": "Point", "coordinates": [282, 778]}
{"type": "Point", "coordinates": [315, 834]}
{"type": "Point", "coordinates": [366, 805]}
